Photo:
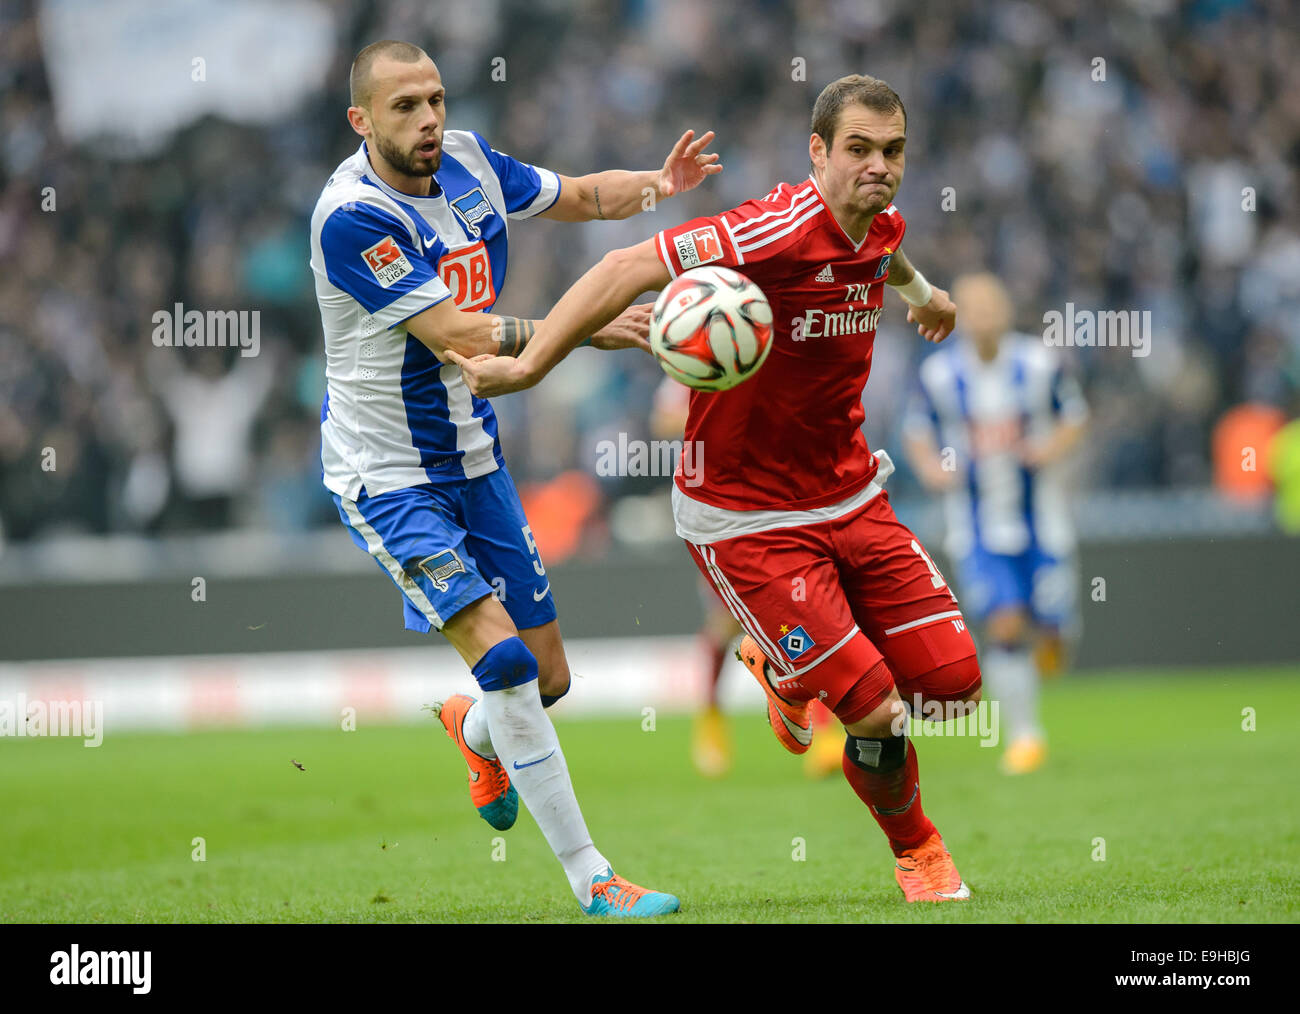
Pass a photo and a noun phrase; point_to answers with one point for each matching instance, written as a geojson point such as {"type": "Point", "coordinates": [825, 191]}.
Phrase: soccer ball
{"type": "Point", "coordinates": [711, 328]}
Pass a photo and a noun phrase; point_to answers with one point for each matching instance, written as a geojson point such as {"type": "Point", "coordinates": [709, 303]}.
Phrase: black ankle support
{"type": "Point", "coordinates": [879, 756]}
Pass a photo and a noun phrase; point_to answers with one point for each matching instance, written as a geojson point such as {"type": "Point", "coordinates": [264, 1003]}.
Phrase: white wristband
{"type": "Point", "coordinates": [917, 291]}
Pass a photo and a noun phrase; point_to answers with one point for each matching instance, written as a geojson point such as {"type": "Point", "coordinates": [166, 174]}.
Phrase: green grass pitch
{"type": "Point", "coordinates": [1198, 816]}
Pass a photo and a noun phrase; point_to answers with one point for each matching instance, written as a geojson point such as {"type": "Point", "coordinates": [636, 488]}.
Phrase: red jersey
{"type": "Point", "coordinates": [790, 437]}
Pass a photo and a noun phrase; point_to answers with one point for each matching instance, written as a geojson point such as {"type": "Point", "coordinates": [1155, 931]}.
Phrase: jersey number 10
{"type": "Point", "coordinates": [936, 579]}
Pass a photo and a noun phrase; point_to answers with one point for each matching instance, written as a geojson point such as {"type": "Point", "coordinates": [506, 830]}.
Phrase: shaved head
{"type": "Point", "coordinates": [399, 107]}
{"type": "Point", "coordinates": [361, 80]}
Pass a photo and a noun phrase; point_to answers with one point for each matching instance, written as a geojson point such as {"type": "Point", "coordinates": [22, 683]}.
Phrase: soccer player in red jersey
{"type": "Point", "coordinates": [710, 740]}
{"type": "Point", "coordinates": [840, 601]}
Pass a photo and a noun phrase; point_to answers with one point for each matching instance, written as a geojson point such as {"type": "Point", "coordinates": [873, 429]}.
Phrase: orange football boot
{"type": "Point", "coordinates": [490, 790]}
{"type": "Point", "coordinates": [927, 873]}
{"type": "Point", "coordinates": [791, 723]}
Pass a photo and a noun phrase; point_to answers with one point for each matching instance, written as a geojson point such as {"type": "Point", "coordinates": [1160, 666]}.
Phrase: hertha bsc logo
{"type": "Point", "coordinates": [440, 566]}
{"type": "Point", "coordinates": [473, 208]}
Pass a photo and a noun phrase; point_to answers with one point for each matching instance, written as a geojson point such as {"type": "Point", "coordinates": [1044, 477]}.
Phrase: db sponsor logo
{"type": "Point", "coordinates": [468, 275]}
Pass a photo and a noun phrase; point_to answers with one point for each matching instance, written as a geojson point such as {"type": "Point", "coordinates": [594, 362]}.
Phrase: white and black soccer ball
{"type": "Point", "coordinates": [711, 328]}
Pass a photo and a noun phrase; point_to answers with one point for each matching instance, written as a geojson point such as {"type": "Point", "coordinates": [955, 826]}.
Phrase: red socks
{"type": "Point", "coordinates": [893, 797]}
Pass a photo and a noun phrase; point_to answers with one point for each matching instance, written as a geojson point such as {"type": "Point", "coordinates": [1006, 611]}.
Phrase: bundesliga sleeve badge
{"type": "Point", "coordinates": [699, 246]}
{"type": "Point", "coordinates": [387, 262]}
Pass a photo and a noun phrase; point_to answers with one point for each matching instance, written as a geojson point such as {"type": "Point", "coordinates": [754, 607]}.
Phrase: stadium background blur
{"type": "Point", "coordinates": [1121, 194]}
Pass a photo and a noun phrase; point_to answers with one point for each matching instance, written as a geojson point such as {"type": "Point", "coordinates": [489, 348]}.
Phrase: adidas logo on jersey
{"type": "Point", "coordinates": [824, 275]}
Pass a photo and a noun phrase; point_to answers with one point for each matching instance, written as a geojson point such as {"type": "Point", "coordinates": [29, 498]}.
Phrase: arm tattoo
{"type": "Point", "coordinates": [595, 192]}
{"type": "Point", "coordinates": [514, 334]}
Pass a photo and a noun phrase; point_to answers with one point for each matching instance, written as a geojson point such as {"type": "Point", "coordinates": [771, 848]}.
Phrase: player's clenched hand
{"type": "Point", "coordinates": [934, 321]}
{"type": "Point", "coordinates": [686, 166]}
{"type": "Point", "coordinates": [488, 376]}
{"type": "Point", "coordinates": [629, 330]}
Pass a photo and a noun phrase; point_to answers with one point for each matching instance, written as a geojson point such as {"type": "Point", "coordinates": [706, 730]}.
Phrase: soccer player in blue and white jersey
{"type": "Point", "coordinates": [1006, 417]}
{"type": "Point", "coordinates": [409, 243]}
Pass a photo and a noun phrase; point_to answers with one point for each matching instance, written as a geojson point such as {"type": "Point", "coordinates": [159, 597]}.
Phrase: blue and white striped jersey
{"type": "Point", "coordinates": [983, 412]}
{"type": "Point", "coordinates": [394, 416]}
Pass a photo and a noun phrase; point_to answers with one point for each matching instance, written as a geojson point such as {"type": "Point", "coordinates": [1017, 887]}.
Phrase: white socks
{"type": "Point", "coordinates": [528, 748]}
{"type": "Point", "coordinates": [1013, 680]}
{"type": "Point", "coordinates": [475, 731]}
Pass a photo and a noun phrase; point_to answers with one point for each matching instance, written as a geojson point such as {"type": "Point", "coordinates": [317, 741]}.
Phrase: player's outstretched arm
{"type": "Point", "coordinates": [619, 193]}
{"type": "Point", "coordinates": [442, 327]}
{"type": "Point", "coordinates": [588, 308]}
{"type": "Point", "coordinates": [932, 311]}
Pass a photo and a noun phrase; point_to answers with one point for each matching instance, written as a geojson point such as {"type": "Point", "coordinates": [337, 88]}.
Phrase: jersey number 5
{"type": "Point", "coordinates": [532, 550]}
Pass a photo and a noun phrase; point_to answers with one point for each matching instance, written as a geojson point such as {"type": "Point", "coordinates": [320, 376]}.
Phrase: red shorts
{"type": "Point", "coordinates": [827, 603]}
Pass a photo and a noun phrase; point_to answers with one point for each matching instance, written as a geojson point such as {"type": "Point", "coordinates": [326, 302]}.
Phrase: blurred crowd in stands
{"type": "Point", "coordinates": [1126, 154]}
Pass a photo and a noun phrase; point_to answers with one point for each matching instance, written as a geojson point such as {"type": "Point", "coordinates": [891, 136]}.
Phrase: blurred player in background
{"type": "Point", "coordinates": [791, 522]}
{"type": "Point", "coordinates": [711, 750]}
{"type": "Point", "coordinates": [1007, 417]}
{"type": "Point", "coordinates": [409, 246]}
